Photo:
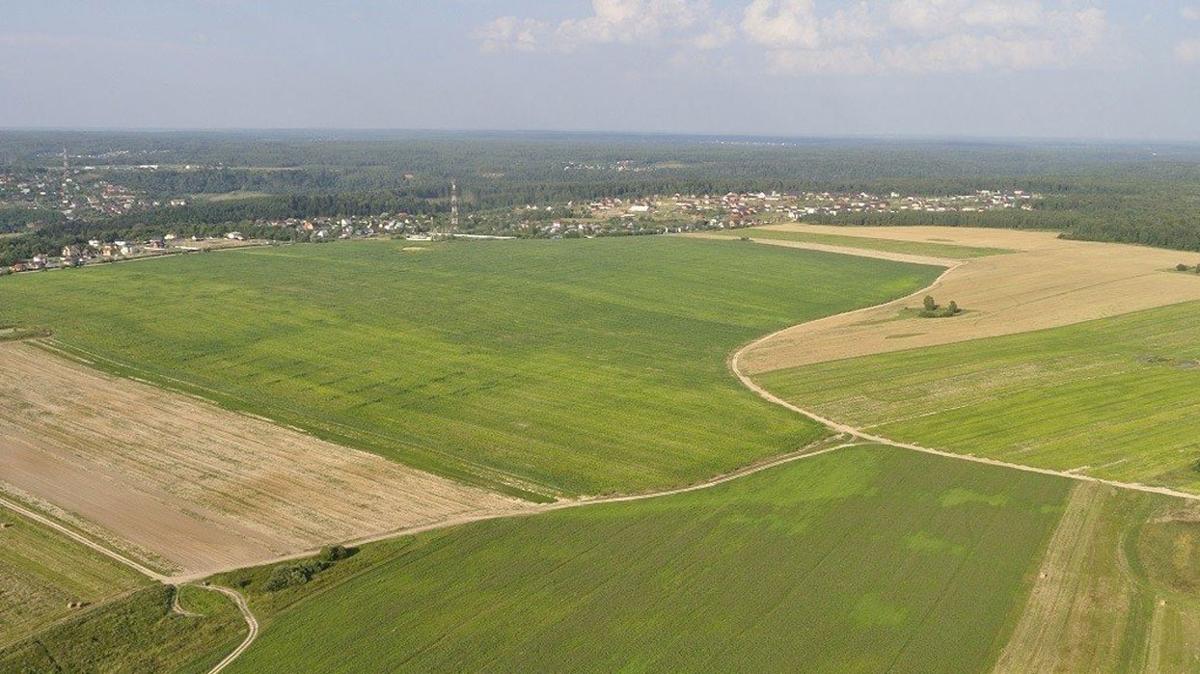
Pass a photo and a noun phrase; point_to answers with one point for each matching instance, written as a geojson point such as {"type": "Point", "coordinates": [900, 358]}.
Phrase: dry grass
{"type": "Point", "coordinates": [1111, 593]}
{"type": "Point", "coordinates": [203, 488]}
{"type": "Point", "coordinates": [1049, 282]}
{"type": "Point", "coordinates": [1076, 614]}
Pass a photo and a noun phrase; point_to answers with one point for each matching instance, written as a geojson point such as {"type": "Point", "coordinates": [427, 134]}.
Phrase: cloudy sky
{"type": "Point", "coordinates": [1115, 69]}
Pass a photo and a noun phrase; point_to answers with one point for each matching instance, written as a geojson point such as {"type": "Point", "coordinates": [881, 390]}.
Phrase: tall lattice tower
{"type": "Point", "coordinates": [454, 205]}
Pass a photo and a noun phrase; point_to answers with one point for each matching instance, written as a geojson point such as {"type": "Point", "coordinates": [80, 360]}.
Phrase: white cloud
{"type": "Point", "coordinates": [923, 36]}
{"type": "Point", "coordinates": [782, 23]}
{"type": "Point", "coordinates": [1188, 51]}
{"type": "Point", "coordinates": [611, 22]}
{"type": "Point", "coordinates": [510, 32]}
{"type": "Point", "coordinates": [719, 34]}
{"type": "Point", "coordinates": [813, 36]}
{"type": "Point", "coordinates": [1190, 12]}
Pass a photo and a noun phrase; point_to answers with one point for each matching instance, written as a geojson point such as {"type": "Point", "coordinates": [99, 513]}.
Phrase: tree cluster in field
{"type": "Point", "coordinates": [931, 309]}
{"type": "Point", "coordinates": [299, 573]}
{"type": "Point", "coordinates": [1183, 267]}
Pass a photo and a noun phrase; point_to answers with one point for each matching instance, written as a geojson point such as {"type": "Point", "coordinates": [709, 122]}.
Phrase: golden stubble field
{"type": "Point", "coordinates": [1048, 282]}
{"type": "Point", "coordinates": [189, 484]}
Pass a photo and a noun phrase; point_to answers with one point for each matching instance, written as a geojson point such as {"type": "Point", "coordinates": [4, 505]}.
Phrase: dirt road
{"type": "Point", "coordinates": [251, 625]}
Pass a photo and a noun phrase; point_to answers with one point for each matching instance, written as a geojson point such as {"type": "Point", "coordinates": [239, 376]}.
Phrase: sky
{"type": "Point", "coordinates": [1087, 69]}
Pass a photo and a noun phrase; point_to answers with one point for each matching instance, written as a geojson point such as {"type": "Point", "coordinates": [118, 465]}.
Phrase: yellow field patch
{"type": "Point", "coordinates": [1048, 282]}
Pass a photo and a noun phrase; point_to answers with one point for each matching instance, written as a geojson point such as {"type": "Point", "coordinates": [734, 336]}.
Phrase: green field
{"type": "Point", "coordinates": [551, 367]}
{"type": "Point", "coordinates": [1118, 398]}
{"type": "Point", "coordinates": [928, 248]}
{"type": "Point", "coordinates": [1116, 591]}
{"type": "Point", "coordinates": [42, 571]}
{"type": "Point", "coordinates": [135, 634]}
{"type": "Point", "coordinates": [865, 559]}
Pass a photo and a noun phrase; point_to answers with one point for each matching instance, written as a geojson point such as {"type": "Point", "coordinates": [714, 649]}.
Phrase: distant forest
{"type": "Point", "coordinates": [1137, 193]}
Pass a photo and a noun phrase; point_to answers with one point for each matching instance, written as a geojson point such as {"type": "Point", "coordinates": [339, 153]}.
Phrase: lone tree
{"type": "Point", "coordinates": [930, 305]}
{"type": "Point", "coordinates": [953, 307]}
{"type": "Point", "coordinates": [1181, 267]}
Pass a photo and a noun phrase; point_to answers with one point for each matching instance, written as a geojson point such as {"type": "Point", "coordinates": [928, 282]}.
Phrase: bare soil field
{"type": "Point", "coordinates": [1048, 282]}
{"type": "Point", "coordinates": [202, 488]}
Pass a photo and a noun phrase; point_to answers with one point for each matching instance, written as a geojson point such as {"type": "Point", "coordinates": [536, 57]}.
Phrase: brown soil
{"type": "Point", "coordinates": [204, 488]}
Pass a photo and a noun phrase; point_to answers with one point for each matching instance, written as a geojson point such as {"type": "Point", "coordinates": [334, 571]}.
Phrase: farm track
{"type": "Point", "coordinates": [83, 540]}
{"type": "Point", "coordinates": [854, 435]}
{"type": "Point", "coordinates": [735, 365]}
{"type": "Point", "coordinates": [251, 624]}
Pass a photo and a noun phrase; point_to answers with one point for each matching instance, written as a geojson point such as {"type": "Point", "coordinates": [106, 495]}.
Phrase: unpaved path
{"type": "Point", "coordinates": [738, 369]}
{"type": "Point", "coordinates": [251, 624]}
{"type": "Point", "coordinates": [1048, 282]}
{"type": "Point", "coordinates": [817, 449]}
{"type": "Point", "coordinates": [82, 540]}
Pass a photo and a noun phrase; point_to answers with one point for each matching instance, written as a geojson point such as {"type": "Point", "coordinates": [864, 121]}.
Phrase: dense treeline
{"type": "Point", "coordinates": [17, 218]}
{"type": "Point", "coordinates": [277, 207]}
{"type": "Point", "coordinates": [51, 239]}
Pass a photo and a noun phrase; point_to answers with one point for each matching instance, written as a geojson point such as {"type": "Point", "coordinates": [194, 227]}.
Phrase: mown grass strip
{"type": "Point", "coordinates": [926, 248]}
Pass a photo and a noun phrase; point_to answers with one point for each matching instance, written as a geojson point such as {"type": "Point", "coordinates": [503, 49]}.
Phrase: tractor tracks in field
{"type": "Point", "coordinates": [845, 436]}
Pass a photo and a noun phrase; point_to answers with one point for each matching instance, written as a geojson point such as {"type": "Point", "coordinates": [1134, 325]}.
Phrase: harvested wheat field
{"type": "Point", "coordinates": [202, 488]}
{"type": "Point", "coordinates": [1046, 282]}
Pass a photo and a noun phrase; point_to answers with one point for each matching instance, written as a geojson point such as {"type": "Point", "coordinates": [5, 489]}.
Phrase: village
{"type": "Point", "coordinates": [610, 216]}
{"type": "Point", "coordinates": [74, 193]}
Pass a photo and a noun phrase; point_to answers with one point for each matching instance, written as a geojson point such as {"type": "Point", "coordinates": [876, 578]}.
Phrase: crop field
{"type": "Point", "coordinates": [187, 487]}
{"type": "Point", "coordinates": [904, 247]}
{"type": "Point", "coordinates": [1049, 282]}
{"type": "Point", "coordinates": [136, 633]}
{"type": "Point", "coordinates": [541, 368]}
{"type": "Point", "coordinates": [864, 559]}
{"type": "Point", "coordinates": [42, 572]}
{"type": "Point", "coordinates": [1117, 398]}
{"type": "Point", "coordinates": [1116, 590]}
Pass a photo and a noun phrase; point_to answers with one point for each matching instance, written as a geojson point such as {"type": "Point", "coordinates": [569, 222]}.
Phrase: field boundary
{"type": "Point", "coordinates": [734, 363]}
{"type": "Point", "coordinates": [809, 451]}
{"type": "Point", "coordinates": [83, 540]}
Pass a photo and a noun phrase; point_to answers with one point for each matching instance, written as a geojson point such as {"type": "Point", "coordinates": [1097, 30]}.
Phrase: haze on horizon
{"type": "Point", "coordinates": [1097, 69]}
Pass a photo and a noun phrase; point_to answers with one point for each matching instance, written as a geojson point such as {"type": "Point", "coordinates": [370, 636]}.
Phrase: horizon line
{"type": "Point", "coordinates": [1023, 139]}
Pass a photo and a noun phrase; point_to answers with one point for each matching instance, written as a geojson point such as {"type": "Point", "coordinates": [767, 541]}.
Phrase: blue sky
{"type": "Point", "coordinates": [1115, 69]}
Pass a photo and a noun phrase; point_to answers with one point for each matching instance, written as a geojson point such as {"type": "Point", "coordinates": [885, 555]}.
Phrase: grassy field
{"type": "Point", "coordinates": [1116, 591]}
{"type": "Point", "coordinates": [137, 633]}
{"type": "Point", "coordinates": [539, 367]}
{"type": "Point", "coordinates": [931, 248]}
{"type": "Point", "coordinates": [866, 559]}
{"type": "Point", "coordinates": [41, 572]}
{"type": "Point", "coordinates": [1118, 398]}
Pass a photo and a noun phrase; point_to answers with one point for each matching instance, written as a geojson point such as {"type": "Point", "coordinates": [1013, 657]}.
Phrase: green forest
{"type": "Point", "coordinates": [1110, 192]}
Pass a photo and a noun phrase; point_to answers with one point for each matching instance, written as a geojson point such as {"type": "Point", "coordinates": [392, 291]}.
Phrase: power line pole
{"type": "Point", "coordinates": [453, 205]}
